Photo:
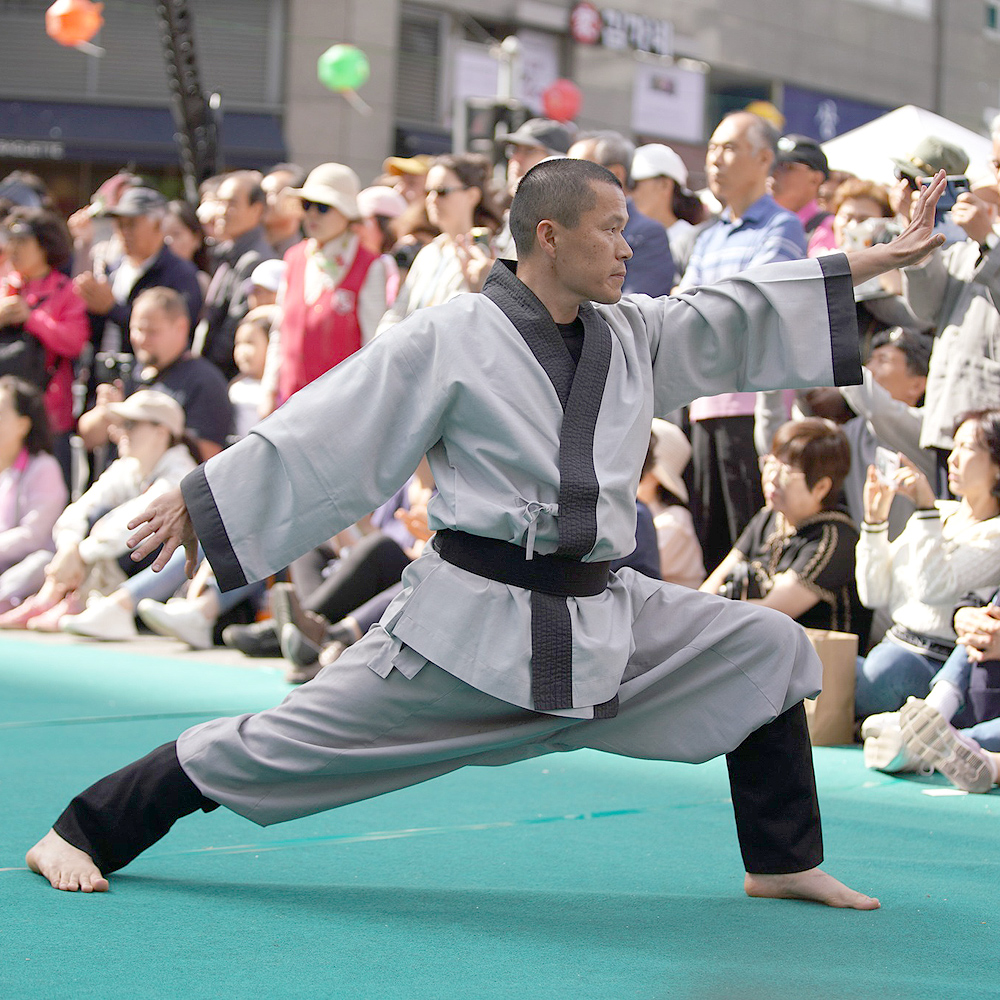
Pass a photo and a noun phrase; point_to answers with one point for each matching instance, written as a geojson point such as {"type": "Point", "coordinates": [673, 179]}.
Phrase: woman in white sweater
{"type": "Point", "coordinates": [90, 533]}
{"type": "Point", "coordinates": [947, 549]}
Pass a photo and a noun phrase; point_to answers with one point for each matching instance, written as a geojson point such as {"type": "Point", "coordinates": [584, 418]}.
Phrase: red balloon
{"type": "Point", "coordinates": [561, 100]}
{"type": "Point", "coordinates": [70, 22]}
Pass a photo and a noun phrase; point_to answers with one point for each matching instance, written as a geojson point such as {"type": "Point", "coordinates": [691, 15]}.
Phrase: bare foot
{"type": "Point", "coordinates": [65, 866]}
{"type": "Point", "coordinates": [814, 885]}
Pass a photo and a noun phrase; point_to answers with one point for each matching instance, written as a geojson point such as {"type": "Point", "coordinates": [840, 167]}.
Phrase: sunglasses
{"type": "Point", "coordinates": [318, 205]}
{"type": "Point", "coordinates": [444, 192]}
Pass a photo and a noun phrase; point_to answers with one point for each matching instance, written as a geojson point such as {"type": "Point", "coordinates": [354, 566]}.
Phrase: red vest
{"type": "Point", "coordinates": [316, 337]}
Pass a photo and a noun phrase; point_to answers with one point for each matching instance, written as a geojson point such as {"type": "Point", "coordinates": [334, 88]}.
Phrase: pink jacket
{"type": "Point", "coordinates": [32, 495]}
{"type": "Point", "coordinates": [59, 320]}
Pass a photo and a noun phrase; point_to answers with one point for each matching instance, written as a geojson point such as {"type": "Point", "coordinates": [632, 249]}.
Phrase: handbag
{"type": "Point", "coordinates": [23, 355]}
{"type": "Point", "coordinates": [830, 714]}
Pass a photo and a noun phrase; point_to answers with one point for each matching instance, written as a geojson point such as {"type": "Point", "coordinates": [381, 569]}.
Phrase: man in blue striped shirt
{"type": "Point", "coordinates": [754, 229]}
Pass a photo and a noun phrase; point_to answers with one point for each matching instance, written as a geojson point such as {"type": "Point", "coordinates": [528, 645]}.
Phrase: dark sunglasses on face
{"type": "Point", "coordinates": [318, 205]}
{"type": "Point", "coordinates": [444, 192]}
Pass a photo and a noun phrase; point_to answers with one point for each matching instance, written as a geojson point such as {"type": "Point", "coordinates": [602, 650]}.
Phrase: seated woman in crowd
{"type": "Point", "coordinates": [797, 553]}
{"type": "Point", "coordinates": [32, 489]}
{"type": "Point", "coordinates": [37, 297]}
{"type": "Point", "coordinates": [947, 549]}
{"type": "Point", "coordinates": [90, 534]}
{"type": "Point", "coordinates": [926, 732]}
{"type": "Point", "coordinates": [458, 201]}
{"type": "Point", "coordinates": [662, 490]}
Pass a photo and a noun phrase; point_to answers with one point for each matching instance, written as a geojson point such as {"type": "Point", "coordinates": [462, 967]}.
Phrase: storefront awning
{"type": "Point", "coordinates": [116, 134]}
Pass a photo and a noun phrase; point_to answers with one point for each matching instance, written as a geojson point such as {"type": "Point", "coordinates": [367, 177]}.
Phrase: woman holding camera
{"type": "Point", "coordinates": [947, 549]}
{"type": "Point", "coordinates": [460, 204]}
{"type": "Point", "coordinates": [797, 553]}
{"type": "Point", "coordinates": [39, 302]}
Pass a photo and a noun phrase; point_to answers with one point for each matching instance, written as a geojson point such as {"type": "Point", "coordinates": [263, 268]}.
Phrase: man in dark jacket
{"type": "Point", "coordinates": [146, 263]}
{"type": "Point", "coordinates": [242, 246]}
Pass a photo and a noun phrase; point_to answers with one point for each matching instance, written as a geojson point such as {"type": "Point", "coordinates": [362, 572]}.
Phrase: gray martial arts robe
{"type": "Point", "coordinates": [485, 402]}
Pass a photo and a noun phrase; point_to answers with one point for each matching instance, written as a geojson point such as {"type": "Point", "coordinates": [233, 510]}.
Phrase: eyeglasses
{"type": "Point", "coordinates": [318, 205]}
{"type": "Point", "coordinates": [444, 192]}
{"type": "Point", "coordinates": [130, 425]}
{"type": "Point", "coordinates": [778, 470]}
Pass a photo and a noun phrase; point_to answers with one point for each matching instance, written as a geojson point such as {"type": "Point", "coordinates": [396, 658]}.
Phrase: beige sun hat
{"type": "Point", "coordinates": [155, 407]}
{"type": "Point", "coordinates": [332, 184]}
{"type": "Point", "coordinates": [671, 454]}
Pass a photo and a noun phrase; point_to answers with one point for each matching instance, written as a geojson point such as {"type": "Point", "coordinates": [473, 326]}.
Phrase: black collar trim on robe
{"type": "Point", "coordinates": [580, 389]}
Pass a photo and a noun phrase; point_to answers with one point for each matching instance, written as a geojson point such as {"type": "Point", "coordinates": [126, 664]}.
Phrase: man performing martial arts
{"type": "Point", "coordinates": [532, 401]}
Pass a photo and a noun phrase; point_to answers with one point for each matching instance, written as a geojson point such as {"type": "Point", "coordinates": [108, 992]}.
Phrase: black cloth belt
{"type": "Point", "coordinates": [550, 579]}
{"type": "Point", "coordinates": [505, 563]}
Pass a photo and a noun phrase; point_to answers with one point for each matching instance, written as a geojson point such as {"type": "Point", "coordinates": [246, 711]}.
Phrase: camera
{"type": "Point", "coordinates": [113, 366]}
{"type": "Point", "coordinates": [955, 185]}
{"type": "Point", "coordinates": [404, 254]}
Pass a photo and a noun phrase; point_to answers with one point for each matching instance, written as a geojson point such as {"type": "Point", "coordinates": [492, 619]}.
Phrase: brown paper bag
{"type": "Point", "coordinates": [831, 714]}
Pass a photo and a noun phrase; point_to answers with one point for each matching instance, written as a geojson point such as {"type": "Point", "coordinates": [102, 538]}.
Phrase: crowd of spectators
{"type": "Point", "coordinates": [141, 336]}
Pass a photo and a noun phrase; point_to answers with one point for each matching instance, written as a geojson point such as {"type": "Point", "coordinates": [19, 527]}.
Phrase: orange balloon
{"type": "Point", "coordinates": [70, 22]}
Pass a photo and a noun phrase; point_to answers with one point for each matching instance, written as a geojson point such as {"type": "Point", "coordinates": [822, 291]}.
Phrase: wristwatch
{"type": "Point", "coordinates": [990, 242]}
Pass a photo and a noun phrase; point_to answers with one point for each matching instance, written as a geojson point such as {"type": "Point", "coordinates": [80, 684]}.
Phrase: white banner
{"type": "Point", "coordinates": [668, 102]}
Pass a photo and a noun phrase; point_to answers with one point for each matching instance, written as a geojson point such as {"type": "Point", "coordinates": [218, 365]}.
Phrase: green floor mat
{"type": "Point", "coordinates": [580, 876]}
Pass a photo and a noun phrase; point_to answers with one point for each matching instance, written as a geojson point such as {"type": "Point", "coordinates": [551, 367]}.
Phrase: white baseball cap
{"type": "Point", "coordinates": [657, 160]}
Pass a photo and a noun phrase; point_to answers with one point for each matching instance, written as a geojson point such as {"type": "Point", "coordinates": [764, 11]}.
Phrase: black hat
{"type": "Point", "coordinates": [541, 133]}
{"type": "Point", "coordinates": [802, 149]}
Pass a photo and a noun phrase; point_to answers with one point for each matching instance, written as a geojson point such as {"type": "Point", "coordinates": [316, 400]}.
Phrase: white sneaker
{"type": "Point", "coordinates": [875, 724]}
{"type": "Point", "coordinates": [103, 619]}
{"type": "Point", "coordinates": [887, 752]}
{"type": "Point", "coordinates": [960, 759]}
{"type": "Point", "coordinates": [177, 620]}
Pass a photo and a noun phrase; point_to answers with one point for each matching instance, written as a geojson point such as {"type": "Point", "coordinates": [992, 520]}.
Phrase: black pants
{"type": "Point", "coordinates": [726, 480]}
{"type": "Point", "coordinates": [770, 773]}
{"type": "Point", "coordinates": [371, 566]}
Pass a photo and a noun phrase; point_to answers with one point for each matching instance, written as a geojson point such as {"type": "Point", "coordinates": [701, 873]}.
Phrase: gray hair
{"type": "Point", "coordinates": [760, 133]}
{"type": "Point", "coordinates": [611, 148]}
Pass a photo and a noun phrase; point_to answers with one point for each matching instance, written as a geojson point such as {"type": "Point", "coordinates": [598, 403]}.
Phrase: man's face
{"type": "Point", "coordinates": [888, 367]}
{"type": "Point", "coordinates": [157, 339]}
{"type": "Point", "coordinates": [653, 194]}
{"type": "Point", "coordinates": [735, 169]}
{"type": "Point", "coordinates": [794, 185]}
{"type": "Point", "coordinates": [140, 235]}
{"type": "Point", "coordinates": [520, 159]}
{"type": "Point", "coordinates": [410, 186]}
{"type": "Point", "coordinates": [237, 215]}
{"type": "Point", "coordinates": [282, 212]}
{"type": "Point", "coordinates": [589, 259]}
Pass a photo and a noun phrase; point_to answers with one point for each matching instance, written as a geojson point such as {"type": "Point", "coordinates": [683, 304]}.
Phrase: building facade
{"type": "Point", "coordinates": [657, 70]}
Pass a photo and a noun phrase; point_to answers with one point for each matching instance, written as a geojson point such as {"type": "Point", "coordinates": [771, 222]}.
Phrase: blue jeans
{"type": "Point", "coordinates": [888, 675]}
{"type": "Point", "coordinates": [163, 585]}
{"type": "Point", "coordinates": [957, 670]}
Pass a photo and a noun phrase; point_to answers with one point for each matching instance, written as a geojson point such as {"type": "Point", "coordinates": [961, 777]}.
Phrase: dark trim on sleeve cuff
{"type": "Point", "coordinates": [210, 530]}
{"type": "Point", "coordinates": [843, 318]}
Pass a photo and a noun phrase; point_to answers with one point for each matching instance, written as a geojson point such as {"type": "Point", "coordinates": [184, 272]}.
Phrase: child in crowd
{"type": "Point", "coordinates": [249, 353]}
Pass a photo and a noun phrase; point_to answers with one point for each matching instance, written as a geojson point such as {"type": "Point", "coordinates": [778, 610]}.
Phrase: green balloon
{"type": "Point", "coordinates": [343, 67]}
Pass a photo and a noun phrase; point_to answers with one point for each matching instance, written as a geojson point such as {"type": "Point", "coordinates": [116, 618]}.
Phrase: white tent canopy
{"type": "Point", "coordinates": [867, 151]}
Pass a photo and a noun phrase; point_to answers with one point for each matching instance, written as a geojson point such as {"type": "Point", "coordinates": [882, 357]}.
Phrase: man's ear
{"type": "Point", "coordinates": [545, 236]}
